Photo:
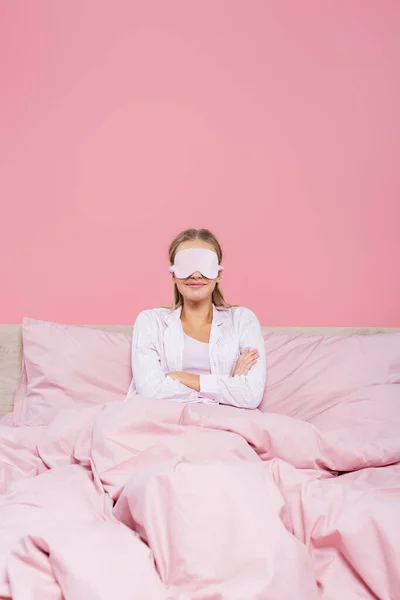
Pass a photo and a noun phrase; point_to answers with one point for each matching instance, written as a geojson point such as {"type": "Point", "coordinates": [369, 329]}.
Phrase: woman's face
{"type": "Point", "coordinates": [196, 287]}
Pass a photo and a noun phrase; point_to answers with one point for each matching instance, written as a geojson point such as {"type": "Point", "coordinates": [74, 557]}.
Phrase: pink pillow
{"type": "Point", "coordinates": [65, 365]}
{"type": "Point", "coordinates": [308, 374]}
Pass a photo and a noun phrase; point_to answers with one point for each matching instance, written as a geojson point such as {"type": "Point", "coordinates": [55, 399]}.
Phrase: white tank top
{"type": "Point", "coordinates": [196, 358]}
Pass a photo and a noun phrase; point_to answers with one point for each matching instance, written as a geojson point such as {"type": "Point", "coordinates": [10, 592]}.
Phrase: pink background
{"type": "Point", "coordinates": [274, 123]}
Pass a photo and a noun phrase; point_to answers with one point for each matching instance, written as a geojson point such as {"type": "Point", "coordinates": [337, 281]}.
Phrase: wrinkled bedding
{"type": "Point", "coordinates": [155, 500]}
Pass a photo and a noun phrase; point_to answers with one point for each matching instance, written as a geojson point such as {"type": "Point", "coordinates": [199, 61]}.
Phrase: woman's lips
{"type": "Point", "coordinates": [195, 285]}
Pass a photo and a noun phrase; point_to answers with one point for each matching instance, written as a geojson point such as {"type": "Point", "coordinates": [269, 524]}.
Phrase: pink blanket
{"type": "Point", "coordinates": [152, 500]}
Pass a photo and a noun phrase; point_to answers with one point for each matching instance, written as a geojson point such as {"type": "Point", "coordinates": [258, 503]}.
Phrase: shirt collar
{"type": "Point", "coordinates": [173, 316]}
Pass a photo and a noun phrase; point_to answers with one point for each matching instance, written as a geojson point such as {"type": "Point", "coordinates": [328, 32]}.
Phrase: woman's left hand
{"type": "Point", "coordinates": [188, 379]}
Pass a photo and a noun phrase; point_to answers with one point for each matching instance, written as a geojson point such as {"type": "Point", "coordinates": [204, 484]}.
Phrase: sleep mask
{"type": "Point", "coordinates": [191, 260]}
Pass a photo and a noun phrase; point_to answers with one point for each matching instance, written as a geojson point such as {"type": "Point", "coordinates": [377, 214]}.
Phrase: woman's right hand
{"type": "Point", "coordinates": [245, 361]}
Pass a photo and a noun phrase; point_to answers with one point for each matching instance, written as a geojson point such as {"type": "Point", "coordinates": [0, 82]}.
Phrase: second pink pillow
{"type": "Point", "coordinates": [308, 374]}
{"type": "Point", "coordinates": [66, 365]}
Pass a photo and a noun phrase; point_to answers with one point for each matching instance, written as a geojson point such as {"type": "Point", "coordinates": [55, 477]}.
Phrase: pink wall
{"type": "Point", "coordinates": [274, 123]}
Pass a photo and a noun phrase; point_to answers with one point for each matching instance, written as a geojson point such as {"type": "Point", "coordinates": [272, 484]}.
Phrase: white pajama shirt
{"type": "Point", "coordinates": [158, 347]}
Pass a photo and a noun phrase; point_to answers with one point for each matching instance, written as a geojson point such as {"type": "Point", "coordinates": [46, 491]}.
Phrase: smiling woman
{"type": "Point", "coordinates": [202, 349]}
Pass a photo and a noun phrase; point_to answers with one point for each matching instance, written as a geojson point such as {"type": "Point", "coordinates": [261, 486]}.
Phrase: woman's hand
{"type": "Point", "coordinates": [245, 361]}
{"type": "Point", "coordinates": [189, 379]}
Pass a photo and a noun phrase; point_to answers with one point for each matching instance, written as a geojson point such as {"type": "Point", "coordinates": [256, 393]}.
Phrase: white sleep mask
{"type": "Point", "coordinates": [191, 260]}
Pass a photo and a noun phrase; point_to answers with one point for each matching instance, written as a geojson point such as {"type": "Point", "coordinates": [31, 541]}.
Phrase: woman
{"type": "Point", "coordinates": [203, 349]}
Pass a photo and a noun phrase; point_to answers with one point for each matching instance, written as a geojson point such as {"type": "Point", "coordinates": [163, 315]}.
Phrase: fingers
{"type": "Point", "coordinates": [248, 364]}
{"type": "Point", "coordinates": [246, 368]}
{"type": "Point", "coordinates": [246, 360]}
{"type": "Point", "coordinates": [242, 370]}
{"type": "Point", "coordinates": [249, 353]}
{"type": "Point", "coordinates": [248, 357]}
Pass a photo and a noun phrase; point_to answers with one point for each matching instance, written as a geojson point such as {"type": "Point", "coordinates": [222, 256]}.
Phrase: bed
{"type": "Point", "coordinates": [104, 495]}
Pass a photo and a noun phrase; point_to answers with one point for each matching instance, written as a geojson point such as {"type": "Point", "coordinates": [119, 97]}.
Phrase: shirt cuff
{"type": "Point", "coordinates": [209, 386]}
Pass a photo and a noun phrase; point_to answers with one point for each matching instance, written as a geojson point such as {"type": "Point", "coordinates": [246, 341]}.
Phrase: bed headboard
{"type": "Point", "coordinates": [11, 351]}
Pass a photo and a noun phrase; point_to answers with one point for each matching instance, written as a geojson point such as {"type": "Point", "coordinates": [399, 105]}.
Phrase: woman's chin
{"type": "Point", "coordinates": [195, 295]}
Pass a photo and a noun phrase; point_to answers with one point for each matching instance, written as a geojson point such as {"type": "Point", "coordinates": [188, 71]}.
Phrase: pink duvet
{"type": "Point", "coordinates": [152, 500]}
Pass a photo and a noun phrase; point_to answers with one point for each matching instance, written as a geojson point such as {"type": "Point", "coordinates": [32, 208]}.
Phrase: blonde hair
{"type": "Point", "coordinates": [206, 236]}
